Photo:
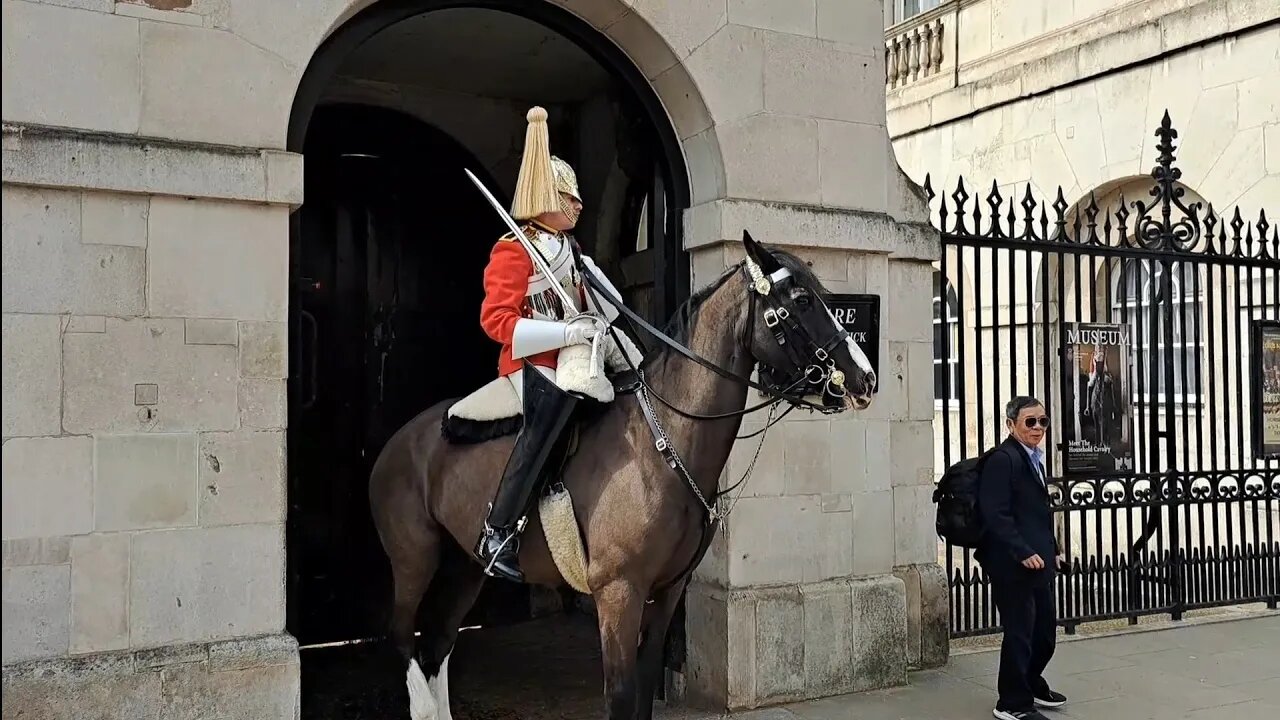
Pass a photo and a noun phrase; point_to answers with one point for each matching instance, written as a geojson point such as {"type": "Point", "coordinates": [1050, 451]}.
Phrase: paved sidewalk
{"type": "Point", "coordinates": [1226, 670]}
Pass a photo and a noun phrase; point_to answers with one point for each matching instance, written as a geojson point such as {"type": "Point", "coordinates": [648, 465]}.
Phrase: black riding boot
{"type": "Point", "coordinates": [546, 411]}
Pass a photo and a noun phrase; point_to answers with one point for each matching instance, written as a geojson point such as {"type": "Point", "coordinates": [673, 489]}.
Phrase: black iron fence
{"type": "Point", "coordinates": [1147, 324]}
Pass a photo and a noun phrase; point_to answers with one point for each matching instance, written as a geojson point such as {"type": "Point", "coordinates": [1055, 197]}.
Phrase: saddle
{"type": "Point", "coordinates": [494, 410]}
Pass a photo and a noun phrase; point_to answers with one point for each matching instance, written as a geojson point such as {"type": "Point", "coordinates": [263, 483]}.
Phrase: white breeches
{"type": "Point", "coordinates": [517, 379]}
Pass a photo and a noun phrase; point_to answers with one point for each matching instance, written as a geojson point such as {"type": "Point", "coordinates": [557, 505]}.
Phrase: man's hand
{"type": "Point", "coordinates": [1033, 563]}
{"type": "Point", "coordinates": [580, 331]}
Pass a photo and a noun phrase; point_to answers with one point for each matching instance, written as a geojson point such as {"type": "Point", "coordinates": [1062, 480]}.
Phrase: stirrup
{"type": "Point", "coordinates": [493, 558]}
{"type": "Point", "coordinates": [513, 535]}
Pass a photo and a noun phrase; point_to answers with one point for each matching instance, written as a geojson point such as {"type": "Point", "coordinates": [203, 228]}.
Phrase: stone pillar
{"type": "Point", "coordinates": [928, 610]}
{"type": "Point", "coordinates": [144, 413]}
{"type": "Point", "coordinates": [145, 290]}
{"type": "Point", "coordinates": [823, 580]}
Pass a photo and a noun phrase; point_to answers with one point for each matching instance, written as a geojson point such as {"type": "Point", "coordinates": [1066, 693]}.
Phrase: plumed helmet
{"type": "Point", "coordinates": [566, 178]}
{"type": "Point", "coordinates": [542, 175]}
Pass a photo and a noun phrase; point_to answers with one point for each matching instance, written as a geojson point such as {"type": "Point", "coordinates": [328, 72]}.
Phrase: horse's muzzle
{"type": "Point", "coordinates": [858, 402]}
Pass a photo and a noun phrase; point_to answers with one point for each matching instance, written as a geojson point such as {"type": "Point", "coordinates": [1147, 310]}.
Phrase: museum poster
{"type": "Point", "coordinates": [1266, 381]}
{"type": "Point", "coordinates": [1098, 427]}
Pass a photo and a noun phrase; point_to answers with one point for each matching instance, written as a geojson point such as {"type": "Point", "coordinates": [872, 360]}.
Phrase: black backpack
{"type": "Point", "coordinates": [956, 496]}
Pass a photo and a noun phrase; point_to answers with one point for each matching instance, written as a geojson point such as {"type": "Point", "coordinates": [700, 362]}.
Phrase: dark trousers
{"type": "Point", "coordinates": [1030, 635]}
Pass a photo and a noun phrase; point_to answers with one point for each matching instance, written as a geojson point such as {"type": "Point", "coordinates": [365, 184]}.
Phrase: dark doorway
{"type": "Point", "coordinates": [389, 262]}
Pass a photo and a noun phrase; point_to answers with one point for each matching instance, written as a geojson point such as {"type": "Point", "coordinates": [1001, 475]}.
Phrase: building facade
{"type": "Point", "coordinates": [1068, 96]}
{"type": "Point", "coordinates": [1061, 104]}
{"type": "Point", "coordinates": [180, 182]}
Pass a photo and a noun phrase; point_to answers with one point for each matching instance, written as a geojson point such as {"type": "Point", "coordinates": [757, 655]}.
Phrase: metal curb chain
{"type": "Point", "coordinates": [666, 444]}
{"type": "Point", "coordinates": [752, 466]}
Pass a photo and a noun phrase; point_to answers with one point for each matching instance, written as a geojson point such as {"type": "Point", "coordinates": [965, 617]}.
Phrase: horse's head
{"type": "Point", "coordinates": [801, 348]}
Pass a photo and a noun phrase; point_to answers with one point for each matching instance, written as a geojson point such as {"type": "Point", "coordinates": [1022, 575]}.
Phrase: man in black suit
{"type": "Point", "coordinates": [1019, 552]}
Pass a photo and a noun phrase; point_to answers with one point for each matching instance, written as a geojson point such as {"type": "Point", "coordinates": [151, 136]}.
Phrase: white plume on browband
{"type": "Point", "coordinates": [763, 284]}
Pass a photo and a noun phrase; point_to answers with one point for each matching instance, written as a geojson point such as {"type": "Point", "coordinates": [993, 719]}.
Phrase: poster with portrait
{"type": "Point", "coordinates": [1266, 388]}
{"type": "Point", "coordinates": [1097, 428]}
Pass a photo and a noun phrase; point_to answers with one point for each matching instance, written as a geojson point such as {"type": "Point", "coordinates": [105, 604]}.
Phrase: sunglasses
{"type": "Point", "coordinates": [1031, 422]}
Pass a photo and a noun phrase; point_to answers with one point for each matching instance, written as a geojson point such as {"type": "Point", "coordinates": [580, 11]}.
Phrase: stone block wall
{"type": "Point", "coordinates": [246, 679]}
{"type": "Point", "coordinates": [144, 411]}
{"type": "Point", "coordinates": [145, 286]}
{"type": "Point", "coordinates": [1208, 68]}
{"type": "Point", "coordinates": [798, 596]}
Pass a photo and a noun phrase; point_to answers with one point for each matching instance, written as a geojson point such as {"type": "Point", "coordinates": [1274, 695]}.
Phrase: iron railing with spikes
{"type": "Point", "coordinates": [1180, 508]}
{"type": "Point", "coordinates": [1163, 225]}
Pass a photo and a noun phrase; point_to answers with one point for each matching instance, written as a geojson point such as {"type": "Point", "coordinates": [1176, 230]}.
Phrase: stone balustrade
{"type": "Point", "coordinates": [913, 50]}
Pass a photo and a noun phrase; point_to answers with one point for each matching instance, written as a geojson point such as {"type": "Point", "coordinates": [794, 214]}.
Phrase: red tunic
{"type": "Point", "coordinates": [506, 285]}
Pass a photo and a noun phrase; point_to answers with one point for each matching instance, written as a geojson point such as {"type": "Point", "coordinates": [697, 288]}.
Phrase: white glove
{"type": "Point", "coordinates": [580, 331]}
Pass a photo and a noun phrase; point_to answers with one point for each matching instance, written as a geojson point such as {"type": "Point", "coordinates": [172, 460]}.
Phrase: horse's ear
{"type": "Point", "coordinates": [758, 254]}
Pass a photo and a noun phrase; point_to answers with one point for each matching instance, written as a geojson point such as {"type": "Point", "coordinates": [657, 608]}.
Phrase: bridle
{"type": "Point", "coordinates": [813, 368]}
{"type": "Point", "coordinates": [819, 374]}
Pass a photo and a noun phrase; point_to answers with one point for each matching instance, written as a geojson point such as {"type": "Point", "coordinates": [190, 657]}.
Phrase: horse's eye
{"type": "Point", "coordinates": [803, 300]}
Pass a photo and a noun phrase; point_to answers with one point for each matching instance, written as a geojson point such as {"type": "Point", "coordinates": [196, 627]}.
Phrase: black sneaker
{"type": "Point", "coordinates": [1050, 699]}
{"type": "Point", "coordinates": [1018, 714]}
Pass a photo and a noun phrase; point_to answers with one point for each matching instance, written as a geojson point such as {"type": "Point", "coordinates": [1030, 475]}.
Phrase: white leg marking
{"type": "Point", "coordinates": [422, 704]}
{"type": "Point", "coordinates": [440, 687]}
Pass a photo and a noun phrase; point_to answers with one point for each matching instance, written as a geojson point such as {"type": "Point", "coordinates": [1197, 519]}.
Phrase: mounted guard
{"type": "Point", "coordinates": [645, 474]}
{"type": "Point", "coordinates": [554, 348]}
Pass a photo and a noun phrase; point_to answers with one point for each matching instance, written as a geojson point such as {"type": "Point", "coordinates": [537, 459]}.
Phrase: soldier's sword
{"type": "Point", "coordinates": [539, 263]}
{"type": "Point", "coordinates": [534, 255]}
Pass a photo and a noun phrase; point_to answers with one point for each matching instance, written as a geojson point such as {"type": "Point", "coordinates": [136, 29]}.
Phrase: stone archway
{"type": "Point", "coordinates": [617, 34]}
{"type": "Point", "coordinates": [411, 48]}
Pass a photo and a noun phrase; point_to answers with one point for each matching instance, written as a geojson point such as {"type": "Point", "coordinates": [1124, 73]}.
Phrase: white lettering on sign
{"type": "Point", "coordinates": [1097, 336]}
{"type": "Point", "coordinates": [846, 315]}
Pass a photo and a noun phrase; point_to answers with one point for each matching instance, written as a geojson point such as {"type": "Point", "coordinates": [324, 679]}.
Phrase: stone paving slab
{"type": "Point", "coordinates": [1211, 671]}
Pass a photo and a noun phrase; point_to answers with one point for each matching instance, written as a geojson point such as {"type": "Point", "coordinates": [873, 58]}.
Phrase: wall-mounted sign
{"type": "Point", "coordinates": [1265, 382]}
{"type": "Point", "coordinates": [1097, 431]}
{"type": "Point", "coordinates": [860, 315]}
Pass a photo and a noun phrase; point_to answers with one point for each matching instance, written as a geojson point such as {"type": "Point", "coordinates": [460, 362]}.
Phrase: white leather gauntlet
{"type": "Point", "coordinates": [538, 336]}
{"type": "Point", "coordinates": [580, 331]}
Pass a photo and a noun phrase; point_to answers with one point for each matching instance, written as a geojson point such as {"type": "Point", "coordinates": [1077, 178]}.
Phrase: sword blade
{"type": "Point", "coordinates": [534, 255]}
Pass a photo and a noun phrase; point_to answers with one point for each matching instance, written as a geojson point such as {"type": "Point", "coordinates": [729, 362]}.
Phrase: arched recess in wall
{"type": "Point", "coordinates": [1081, 294]}
{"type": "Point", "coordinates": [954, 310]}
{"type": "Point", "coordinates": [612, 34]}
{"type": "Point", "coordinates": [955, 343]}
{"type": "Point", "coordinates": [585, 22]}
{"type": "Point", "coordinates": [366, 295]}
{"type": "Point", "coordinates": [946, 333]}
{"type": "Point", "coordinates": [1131, 292]}
{"type": "Point", "coordinates": [1079, 286]}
